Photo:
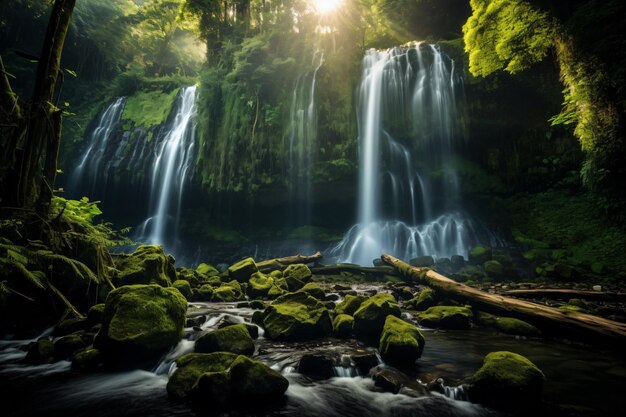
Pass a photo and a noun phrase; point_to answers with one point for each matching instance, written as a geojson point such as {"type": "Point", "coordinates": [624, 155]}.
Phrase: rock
{"type": "Point", "coordinates": [222, 268]}
{"type": "Point", "coordinates": [70, 326]}
{"type": "Point", "coordinates": [195, 321]}
{"type": "Point", "coordinates": [253, 382]}
{"type": "Point", "coordinates": [147, 265]}
{"type": "Point", "coordinates": [479, 255]}
{"type": "Point", "coordinates": [444, 266]}
{"type": "Point", "coordinates": [422, 261]}
{"type": "Point", "coordinates": [343, 325]}
{"type": "Point", "coordinates": [330, 305]}
{"type": "Point", "coordinates": [341, 287]}
{"type": "Point", "coordinates": [87, 360]}
{"type": "Point", "coordinates": [405, 294]}
{"type": "Point", "coordinates": [275, 292]}
{"type": "Point", "coordinates": [350, 304]}
{"type": "Point", "coordinates": [95, 315]}
{"type": "Point", "coordinates": [392, 380]}
{"type": "Point", "coordinates": [212, 389]}
{"type": "Point", "coordinates": [493, 269]}
{"type": "Point", "coordinates": [252, 329]}
{"type": "Point", "coordinates": [369, 319]}
{"type": "Point", "coordinates": [233, 338]}
{"type": "Point", "coordinates": [564, 272]}
{"type": "Point", "coordinates": [257, 318]}
{"type": "Point", "coordinates": [365, 362]}
{"type": "Point", "coordinates": [296, 316]}
{"type": "Point", "coordinates": [184, 287]}
{"type": "Point", "coordinates": [298, 271]}
{"type": "Point", "coordinates": [189, 275]}
{"type": "Point", "coordinates": [259, 285]}
{"type": "Point", "coordinates": [257, 305]}
{"type": "Point", "coordinates": [401, 343]}
{"type": "Point", "coordinates": [228, 292]}
{"type": "Point", "coordinates": [293, 283]}
{"type": "Point", "coordinates": [191, 367]}
{"type": "Point", "coordinates": [424, 300]}
{"type": "Point", "coordinates": [508, 325]}
{"type": "Point", "coordinates": [204, 293]}
{"type": "Point", "coordinates": [457, 261]}
{"type": "Point", "coordinates": [597, 288]}
{"type": "Point", "coordinates": [318, 366]}
{"type": "Point", "coordinates": [66, 346]}
{"type": "Point", "coordinates": [243, 270]}
{"type": "Point", "coordinates": [41, 351]}
{"type": "Point", "coordinates": [446, 317]}
{"type": "Point", "coordinates": [243, 304]}
{"type": "Point", "coordinates": [378, 262]}
{"type": "Point", "coordinates": [314, 290]}
{"type": "Point", "coordinates": [207, 270]}
{"type": "Point", "coordinates": [332, 297]}
{"type": "Point", "coordinates": [141, 323]}
{"type": "Point", "coordinates": [507, 380]}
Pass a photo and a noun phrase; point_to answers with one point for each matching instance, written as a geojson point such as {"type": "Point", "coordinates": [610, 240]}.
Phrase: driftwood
{"type": "Point", "coordinates": [282, 263]}
{"type": "Point", "coordinates": [550, 320]}
{"type": "Point", "coordinates": [564, 294]}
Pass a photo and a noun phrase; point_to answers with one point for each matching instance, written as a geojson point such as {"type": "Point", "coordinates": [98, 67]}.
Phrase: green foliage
{"type": "Point", "coordinates": [148, 108]}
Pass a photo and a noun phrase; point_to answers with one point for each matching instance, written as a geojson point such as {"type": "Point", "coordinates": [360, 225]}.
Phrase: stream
{"type": "Point", "coordinates": [580, 380]}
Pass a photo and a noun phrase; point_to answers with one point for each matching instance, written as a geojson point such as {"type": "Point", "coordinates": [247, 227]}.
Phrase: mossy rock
{"type": "Point", "coordinates": [207, 270]}
{"type": "Point", "coordinates": [257, 305]}
{"type": "Point", "coordinates": [259, 285]}
{"type": "Point", "coordinates": [191, 367]}
{"type": "Point", "coordinates": [293, 283]}
{"type": "Point", "coordinates": [350, 304]}
{"type": "Point", "coordinates": [141, 323]}
{"type": "Point", "coordinates": [95, 314]}
{"type": "Point", "coordinates": [296, 316]}
{"type": "Point", "coordinates": [147, 265]}
{"type": "Point", "coordinates": [204, 293]}
{"type": "Point", "coordinates": [508, 325]}
{"type": "Point", "coordinates": [401, 343]}
{"type": "Point", "coordinates": [314, 290]}
{"type": "Point", "coordinates": [243, 270]}
{"type": "Point", "coordinates": [66, 346]}
{"type": "Point", "coordinates": [41, 351]}
{"type": "Point", "coordinates": [234, 339]}
{"type": "Point", "coordinates": [88, 360]}
{"type": "Point", "coordinates": [470, 273]}
{"type": "Point", "coordinates": [457, 262]}
{"type": "Point", "coordinates": [479, 255]}
{"type": "Point", "coordinates": [298, 271]}
{"type": "Point", "coordinates": [228, 292]}
{"type": "Point", "coordinates": [424, 300]}
{"type": "Point", "coordinates": [214, 281]}
{"type": "Point", "coordinates": [184, 287]}
{"type": "Point", "coordinates": [275, 292]}
{"type": "Point", "coordinates": [254, 382]}
{"type": "Point", "coordinates": [509, 381]}
{"type": "Point", "coordinates": [493, 269]}
{"type": "Point", "coordinates": [370, 317]}
{"type": "Point", "coordinates": [446, 317]}
{"type": "Point", "coordinates": [343, 325]}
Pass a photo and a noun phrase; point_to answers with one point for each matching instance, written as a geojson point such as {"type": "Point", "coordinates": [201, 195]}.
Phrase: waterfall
{"type": "Point", "coordinates": [409, 203]}
{"type": "Point", "coordinates": [92, 171]}
{"type": "Point", "coordinates": [172, 165]}
{"type": "Point", "coordinates": [303, 142]}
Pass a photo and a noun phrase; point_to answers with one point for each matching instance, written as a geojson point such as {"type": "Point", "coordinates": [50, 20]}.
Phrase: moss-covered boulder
{"type": "Point", "coordinates": [252, 381]}
{"type": "Point", "coordinates": [141, 323]}
{"type": "Point", "coordinates": [235, 339]}
{"type": "Point", "coordinates": [446, 317]}
{"type": "Point", "coordinates": [343, 325]}
{"type": "Point", "coordinates": [296, 316]}
{"type": "Point", "coordinates": [275, 292]}
{"type": "Point", "coordinates": [370, 317]}
{"type": "Point", "coordinates": [204, 293]}
{"type": "Point", "coordinates": [479, 255]}
{"type": "Point", "coordinates": [243, 270]}
{"type": "Point", "coordinates": [507, 380]}
{"type": "Point", "coordinates": [87, 360]}
{"type": "Point", "coordinates": [401, 343]}
{"type": "Point", "coordinates": [147, 265]}
{"type": "Point", "coordinates": [350, 304]}
{"type": "Point", "coordinates": [259, 285]}
{"type": "Point", "coordinates": [95, 315]}
{"type": "Point", "coordinates": [293, 283]}
{"type": "Point", "coordinates": [314, 290]}
{"type": "Point", "coordinates": [228, 292]}
{"type": "Point", "coordinates": [508, 325]}
{"type": "Point", "coordinates": [424, 300]}
{"type": "Point", "coordinates": [191, 367]}
{"type": "Point", "coordinates": [493, 269]}
{"type": "Point", "coordinates": [207, 270]}
{"type": "Point", "coordinates": [41, 351]}
{"type": "Point", "coordinates": [299, 271]}
{"type": "Point", "coordinates": [184, 287]}
{"type": "Point", "coordinates": [66, 346]}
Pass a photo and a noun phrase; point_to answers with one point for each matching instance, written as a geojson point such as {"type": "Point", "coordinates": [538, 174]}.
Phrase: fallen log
{"type": "Point", "coordinates": [565, 294]}
{"type": "Point", "coordinates": [550, 321]}
{"type": "Point", "coordinates": [282, 263]}
{"type": "Point", "coordinates": [353, 269]}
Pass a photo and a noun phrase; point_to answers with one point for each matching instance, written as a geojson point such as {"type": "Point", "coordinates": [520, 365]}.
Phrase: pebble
{"type": "Point", "coordinates": [597, 288]}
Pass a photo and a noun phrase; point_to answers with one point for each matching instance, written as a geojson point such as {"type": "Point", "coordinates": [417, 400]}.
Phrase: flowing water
{"type": "Point", "coordinates": [579, 380]}
{"type": "Point", "coordinates": [409, 201]}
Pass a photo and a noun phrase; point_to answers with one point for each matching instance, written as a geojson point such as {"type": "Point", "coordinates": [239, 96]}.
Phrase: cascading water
{"type": "Point", "coordinates": [172, 165]}
{"type": "Point", "coordinates": [408, 122]}
{"type": "Point", "coordinates": [303, 142]}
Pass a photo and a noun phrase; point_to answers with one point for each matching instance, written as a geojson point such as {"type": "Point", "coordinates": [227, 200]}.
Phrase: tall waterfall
{"type": "Point", "coordinates": [303, 142]}
{"type": "Point", "coordinates": [172, 165]}
{"type": "Point", "coordinates": [408, 123]}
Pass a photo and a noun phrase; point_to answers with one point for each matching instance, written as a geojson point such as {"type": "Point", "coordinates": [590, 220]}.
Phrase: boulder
{"type": "Point", "coordinates": [233, 338]}
{"type": "Point", "coordinates": [401, 343]}
{"type": "Point", "coordinates": [147, 265]}
{"type": "Point", "coordinates": [457, 262]}
{"type": "Point", "coordinates": [253, 382]}
{"type": "Point", "coordinates": [365, 361]}
{"type": "Point", "coordinates": [207, 270]}
{"type": "Point", "coordinates": [299, 271]}
{"type": "Point", "coordinates": [370, 318]}
{"type": "Point", "coordinates": [243, 270]}
{"type": "Point", "coordinates": [479, 255]}
{"type": "Point", "coordinates": [493, 269]}
{"type": "Point", "coordinates": [141, 323]}
{"type": "Point", "coordinates": [343, 325]}
{"type": "Point", "coordinates": [204, 293]}
{"type": "Point", "coordinates": [257, 305]}
{"type": "Point", "coordinates": [350, 304]}
{"type": "Point", "coordinates": [41, 351]}
{"type": "Point", "coordinates": [88, 360]}
{"type": "Point", "coordinates": [314, 290]}
{"type": "Point", "coordinates": [227, 292]}
{"type": "Point", "coordinates": [184, 287]}
{"type": "Point", "coordinates": [508, 325]}
{"type": "Point", "coordinates": [259, 285]}
{"type": "Point", "coordinates": [293, 283]}
{"type": "Point", "coordinates": [296, 316]}
{"type": "Point", "coordinates": [317, 366]}
{"type": "Point", "coordinates": [509, 381]}
{"type": "Point", "coordinates": [66, 346]}
{"type": "Point", "coordinates": [95, 315]}
{"type": "Point", "coordinates": [191, 367]}
{"type": "Point", "coordinates": [422, 261]}
{"type": "Point", "coordinates": [424, 300]}
{"type": "Point", "coordinates": [446, 317]}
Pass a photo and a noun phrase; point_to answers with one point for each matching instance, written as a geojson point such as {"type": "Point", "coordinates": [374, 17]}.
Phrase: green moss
{"type": "Point", "coordinates": [87, 360]}
{"type": "Point", "coordinates": [191, 366]}
{"type": "Point", "coordinates": [446, 317]}
{"type": "Point", "coordinates": [369, 318]}
{"type": "Point", "coordinates": [148, 108]}
{"type": "Point", "coordinates": [207, 270]}
{"type": "Point", "coordinates": [400, 342]}
{"type": "Point", "coordinates": [205, 293]}
{"type": "Point", "coordinates": [298, 271]}
{"type": "Point", "coordinates": [508, 325]}
{"type": "Point", "coordinates": [243, 270]}
{"type": "Point", "coordinates": [343, 325]}
{"type": "Point", "coordinates": [147, 265]}
{"type": "Point", "coordinates": [259, 285]}
{"type": "Point", "coordinates": [494, 269]}
{"type": "Point", "coordinates": [235, 339]}
{"type": "Point", "coordinates": [184, 287]}
{"type": "Point", "coordinates": [296, 316]}
{"type": "Point", "coordinates": [314, 290]}
{"type": "Point", "coordinates": [350, 304]}
{"type": "Point", "coordinates": [479, 255]}
{"type": "Point", "coordinates": [253, 381]}
{"type": "Point", "coordinates": [424, 300]}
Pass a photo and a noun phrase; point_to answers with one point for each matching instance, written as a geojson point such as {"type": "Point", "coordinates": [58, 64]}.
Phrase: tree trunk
{"type": "Point", "coordinates": [550, 320]}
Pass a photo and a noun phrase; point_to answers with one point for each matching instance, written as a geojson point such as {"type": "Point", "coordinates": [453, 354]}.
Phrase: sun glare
{"type": "Point", "coordinates": [326, 6]}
